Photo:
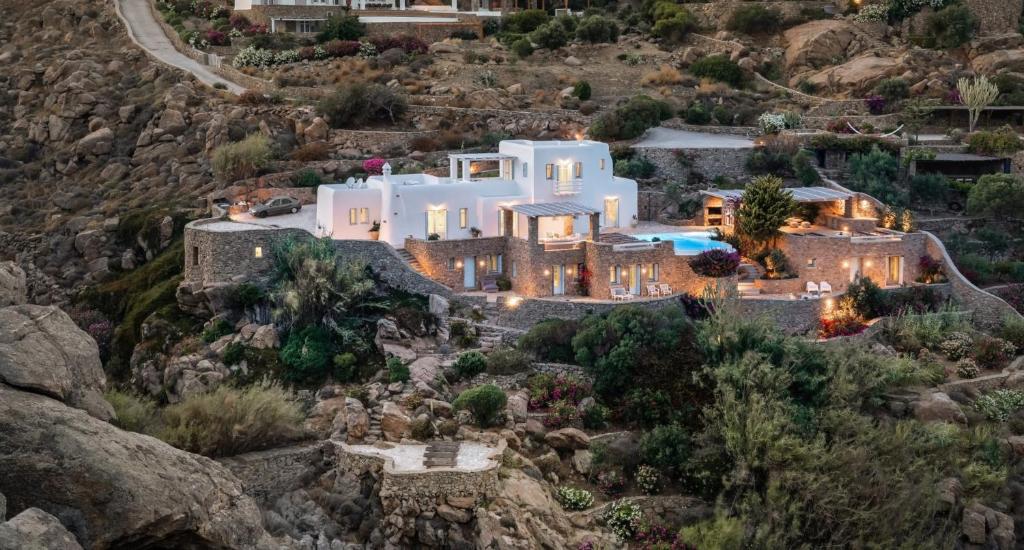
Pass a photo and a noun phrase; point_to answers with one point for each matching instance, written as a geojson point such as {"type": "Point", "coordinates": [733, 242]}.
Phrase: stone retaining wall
{"type": "Point", "coordinates": [996, 16]}
{"type": "Point", "coordinates": [265, 475]}
{"type": "Point", "coordinates": [989, 310]}
{"type": "Point", "coordinates": [443, 260]}
{"type": "Point", "coordinates": [728, 162]}
{"type": "Point", "coordinates": [679, 124]}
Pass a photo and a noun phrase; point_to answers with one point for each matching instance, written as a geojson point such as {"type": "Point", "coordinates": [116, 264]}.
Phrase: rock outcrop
{"type": "Point", "coordinates": [822, 42]}
{"type": "Point", "coordinates": [13, 289]}
{"type": "Point", "coordinates": [43, 351]}
{"type": "Point", "coordinates": [938, 407]}
{"type": "Point", "coordinates": [35, 529]}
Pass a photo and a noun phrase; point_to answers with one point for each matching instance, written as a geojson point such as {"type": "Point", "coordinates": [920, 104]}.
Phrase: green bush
{"type": "Point", "coordinates": [950, 27]}
{"type": "Point", "coordinates": [307, 354]}
{"type": "Point", "coordinates": [230, 421]}
{"type": "Point", "coordinates": [1012, 330]}
{"type": "Point", "coordinates": [308, 178]}
{"type": "Point", "coordinates": [893, 89]}
{"type": "Point", "coordinates": [596, 29]}
{"type": "Point", "coordinates": [875, 173]}
{"type": "Point", "coordinates": [341, 27]}
{"type": "Point", "coordinates": [999, 404]}
{"type": "Point", "coordinates": [242, 159]}
{"type": "Point", "coordinates": [754, 19]}
{"type": "Point", "coordinates": [648, 407]}
{"type": "Point", "coordinates": [675, 29]}
{"type": "Point", "coordinates": [697, 113]}
{"type": "Point", "coordinates": [234, 353]}
{"type": "Point", "coordinates": [245, 295]}
{"type": "Point", "coordinates": [720, 68]}
{"type": "Point", "coordinates": [630, 120]}
{"type": "Point", "coordinates": [522, 48]}
{"type": "Point", "coordinates": [581, 90]}
{"type": "Point", "coordinates": [550, 340]}
{"type": "Point", "coordinates": [929, 189]}
{"type": "Point", "coordinates": [486, 403]}
{"type": "Point", "coordinates": [636, 167]}
{"type": "Point", "coordinates": [802, 165]}
{"type": "Point", "coordinates": [217, 330]}
{"type": "Point", "coordinates": [595, 417]}
{"type": "Point", "coordinates": [507, 361]}
{"type": "Point", "coordinates": [996, 196]}
{"type": "Point", "coordinates": [470, 364]}
{"type": "Point", "coordinates": [134, 413]}
{"type": "Point", "coordinates": [998, 142]}
{"type": "Point", "coordinates": [358, 103]}
{"type": "Point", "coordinates": [398, 371]}
{"type": "Point", "coordinates": [723, 115]}
{"type": "Point", "coordinates": [524, 21]}
{"type": "Point", "coordinates": [866, 298]}
{"type": "Point", "coordinates": [551, 35]}
{"type": "Point", "coordinates": [574, 499]}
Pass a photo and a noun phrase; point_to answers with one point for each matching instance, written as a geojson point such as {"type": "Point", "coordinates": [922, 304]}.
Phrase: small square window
{"type": "Point", "coordinates": [258, 252]}
{"type": "Point", "coordinates": [811, 262]}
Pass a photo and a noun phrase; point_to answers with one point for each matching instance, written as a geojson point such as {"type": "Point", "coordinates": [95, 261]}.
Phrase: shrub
{"type": "Point", "coordinates": [595, 417]}
{"type": "Point", "coordinates": [242, 159]}
{"type": "Point", "coordinates": [611, 482]}
{"type": "Point", "coordinates": [407, 43]}
{"type": "Point", "coordinates": [630, 120]}
{"type": "Point", "coordinates": [229, 421]}
{"type": "Point", "coordinates": [524, 21]}
{"type": "Point", "coordinates": [996, 195]}
{"type": "Point", "coordinates": [648, 407]}
{"type": "Point", "coordinates": [398, 371]}
{"type": "Point", "coordinates": [754, 18]}
{"type": "Point", "coordinates": [551, 35]}
{"type": "Point", "coordinates": [1012, 330]}
{"type": "Point", "coordinates": [469, 364]}
{"type": "Point", "coordinates": [462, 334]}
{"type": "Point", "coordinates": [716, 262]}
{"type": "Point", "coordinates": [307, 354]}
{"type": "Point", "coordinates": [893, 89]}
{"type": "Point", "coordinates": [623, 519]}
{"type": "Point", "coordinates": [421, 429]}
{"type": "Point", "coordinates": [507, 361]}
{"type": "Point", "coordinates": [550, 340]}
{"type": "Point", "coordinates": [993, 353]}
{"type": "Point", "coordinates": [311, 152]}
{"type": "Point", "coordinates": [308, 178]}
{"type": "Point", "coordinates": [486, 403]}
{"type": "Point", "coordinates": [233, 353]}
{"type": "Point", "coordinates": [341, 48]}
{"type": "Point", "coordinates": [547, 390]}
{"type": "Point", "coordinates": [865, 298]}
{"type": "Point", "coordinates": [574, 499]}
{"type": "Point", "coordinates": [134, 413]}
{"type": "Point", "coordinates": [523, 48]}
{"type": "Point", "coordinates": [998, 142]}
{"type": "Point", "coordinates": [957, 346]}
{"type": "Point", "coordinates": [563, 414]}
{"type": "Point", "coordinates": [696, 113]}
{"type": "Point", "coordinates": [647, 479]}
{"type": "Point", "coordinates": [374, 166]}
{"type": "Point", "coordinates": [950, 27]}
{"type": "Point", "coordinates": [874, 173]}
{"type": "Point", "coordinates": [720, 68]}
{"type": "Point", "coordinates": [998, 405]}
{"type": "Point", "coordinates": [636, 167]}
{"type": "Point", "coordinates": [253, 56]}
{"type": "Point", "coordinates": [967, 368]}
{"type": "Point", "coordinates": [341, 27]}
{"type": "Point", "coordinates": [674, 29]}
{"type": "Point", "coordinates": [217, 330]}
{"type": "Point", "coordinates": [773, 123]}
{"type": "Point", "coordinates": [666, 448]}
{"type": "Point", "coordinates": [581, 90]}
{"type": "Point", "coordinates": [597, 29]}
{"type": "Point", "coordinates": [696, 308]}
{"type": "Point", "coordinates": [358, 103]}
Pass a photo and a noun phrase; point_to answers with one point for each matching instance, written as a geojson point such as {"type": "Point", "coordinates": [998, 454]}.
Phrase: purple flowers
{"type": "Point", "coordinates": [875, 103]}
{"type": "Point", "coordinates": [374, 166]}
{"type": "Point", "coordinates": [716, 262]}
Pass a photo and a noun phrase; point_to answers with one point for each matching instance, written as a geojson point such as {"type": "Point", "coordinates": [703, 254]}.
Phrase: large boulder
{"type": "Point", "coordinates": [117, 488]}
{"type": "Point", "coordinates": [817, 43]}
{"type": "Point", "coordinates": [999, 60]}
{"type": "Point", "coordinates": [860, 73]}
{"type": "Point", "coordinates": [42, 350]}
{"type": "Point", "coordinates": [394, 422]}
{"type": "Point", "coordinates": [567, 439]}
{"type": "Point", "coordinates": [35, 529]}
{"type": "Point", "coordinates": [938, 407]}
{"type": "Point", "coordinates": [13, 285]}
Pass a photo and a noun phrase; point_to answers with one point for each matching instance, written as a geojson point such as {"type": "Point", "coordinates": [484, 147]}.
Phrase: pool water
{"type": "Point", "coordinates": [689, 243]}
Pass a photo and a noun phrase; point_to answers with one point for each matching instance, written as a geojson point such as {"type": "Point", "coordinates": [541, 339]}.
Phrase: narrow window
{"type": "Point", "coordinates": [195, 255]}
{"type": "Point", "coordinates": [258, 252]}
{"type": "Point", "coordinates": [601, 164]}
{"type": "Point", "coordinates": [364, 215]}
{"type": "Point", "coordinates": [578, 170]}
{"type": "Point", "coordinates": [811, 262]}
{"type": "Point", "coordinates": [526, 169]}
{"type": "Point", "coordinates": [514, 271]}
{"type": "Point", "coordinates": [463, 217]}
{"type": "Point", "coordinates": [352, 216]}
{"type": "Point", "coordinates": [451, 264]}
{"type": "Point", "coordinates": [549, 171]}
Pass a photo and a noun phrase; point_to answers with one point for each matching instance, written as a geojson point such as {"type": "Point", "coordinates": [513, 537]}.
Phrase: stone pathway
{"type": "Point", "coordinates": [441, 454]}
{"type": "Point", "coordinates": [143, 29]}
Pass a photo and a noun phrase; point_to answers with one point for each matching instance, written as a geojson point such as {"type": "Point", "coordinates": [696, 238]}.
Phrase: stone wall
{"type": "Point", "coordinates": [996, 16]}
{"type": "Point", "coordinates": [443, 260]}
{"type": "Point", "coordinates": [427, 32]}
{"type": "Point", "coordinates": [265, 475]}
{"type": "Point", "coordinates": [679, 124]}
{"type": "Point", "coordinates": [989, 310]}
{"type": "Point", "coordinates": [673, 270]}
{"type": "Point", "coordinates": [716, 14]}
{"type": "Point", "coordinates": [823, 258]}
{"type": "Point", "coordinates": [678, 164]}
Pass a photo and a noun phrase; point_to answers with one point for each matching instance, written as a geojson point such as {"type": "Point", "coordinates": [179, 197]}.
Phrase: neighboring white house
{"type": "Point", "coordinates": [476, 189]}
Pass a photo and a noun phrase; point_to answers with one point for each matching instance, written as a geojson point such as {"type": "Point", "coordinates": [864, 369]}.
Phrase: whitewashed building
{"type": "Point", "coordinates": [469, 202]}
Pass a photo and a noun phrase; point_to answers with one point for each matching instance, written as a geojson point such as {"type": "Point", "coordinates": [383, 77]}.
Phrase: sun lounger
{"type": "Point", "coordinates": [812, 288]}
{"type": "Point", "coordinates": [653, 290]}
{"type": "Point", "coordinates": [825, 287]}
{"type": "Point", "coordinates": [619, 294]}
{"type": "Point", "coordinates": [664, 289]}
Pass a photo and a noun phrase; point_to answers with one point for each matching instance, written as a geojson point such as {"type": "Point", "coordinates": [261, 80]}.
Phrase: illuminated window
{"type": "Point", "coordinates": [258, 252]}
{"type": "Point", "coordinates": [463, 217]}
{"type": "Point", "coordinates": [513, 266]}
{"type": "Point", "coordinates": [549, 171]}
{"type": "Point", "coordinates": [364, 215]}
{"type": "Point", "coordinates": [352, 216]}
{"type": "Point", "coordinates": [653, 272]}
{"type": "Point", "coordinates": [564, 171]}
{"type": "Point", "coordinates": [437, 223]}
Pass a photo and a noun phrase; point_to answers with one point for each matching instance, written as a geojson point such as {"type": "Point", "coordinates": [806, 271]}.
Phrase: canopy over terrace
{"type": "Point", "coordinates": [800, 194]}
{"type": "Point", "coordinates": [466, 165]}
{"type": "Point", "coordinates": [564, 211]}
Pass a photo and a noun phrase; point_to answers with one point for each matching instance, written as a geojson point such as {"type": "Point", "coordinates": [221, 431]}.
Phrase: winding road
{"type": "Point", "coordinates": [143, 29]}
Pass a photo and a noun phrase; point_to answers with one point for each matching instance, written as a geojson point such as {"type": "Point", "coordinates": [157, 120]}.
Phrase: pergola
{"type": "Point", "coordinates": [461, 164]}
{"type": "Point", "coordinates": [800, 194]}
{"type": "Point", "coordinates": [536, 210]}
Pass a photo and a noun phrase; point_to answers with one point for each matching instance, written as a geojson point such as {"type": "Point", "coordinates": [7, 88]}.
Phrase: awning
{"type": "Point", "coordinates": [480, 156]}
{"type": "Point", "coordinates": [800, 194]}
{"type": "Point", "coordinates": [541, 209]}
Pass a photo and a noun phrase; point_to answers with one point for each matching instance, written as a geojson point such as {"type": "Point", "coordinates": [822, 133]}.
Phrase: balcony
{"type": "Point", "coordinates": [568, 242]}
{"type": "Point", "coordinates": [568, 187]}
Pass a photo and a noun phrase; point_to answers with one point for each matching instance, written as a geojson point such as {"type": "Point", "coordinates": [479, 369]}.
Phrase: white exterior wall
{"type": "Point", "coordinates": [401, 207]}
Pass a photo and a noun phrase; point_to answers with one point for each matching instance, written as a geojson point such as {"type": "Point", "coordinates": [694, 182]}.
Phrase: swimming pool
{"type": "Point", "coordinates": [689, 243]}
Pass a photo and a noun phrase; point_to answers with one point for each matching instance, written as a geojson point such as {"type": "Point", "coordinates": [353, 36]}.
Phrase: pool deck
{"type": "Point", "coordinates": [644, 228]}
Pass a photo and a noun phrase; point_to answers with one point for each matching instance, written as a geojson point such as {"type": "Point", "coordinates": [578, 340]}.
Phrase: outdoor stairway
{"type": "Point", "coordinates": [441, 454]}
{"type": "Point", "coordinates": [410, 260]}
{"type": "Point", "coordinates": [488, 338]}
{"type": "Point", "coordinates": [375, 433]}
{"type": "Point", "coordinates": [747, 289]}
{"type": "Point", "coordinates": [748, 273]}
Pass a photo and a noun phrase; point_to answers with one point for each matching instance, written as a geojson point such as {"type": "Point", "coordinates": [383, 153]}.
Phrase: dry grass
{"type": "Point", "coordinates": [663, 76]}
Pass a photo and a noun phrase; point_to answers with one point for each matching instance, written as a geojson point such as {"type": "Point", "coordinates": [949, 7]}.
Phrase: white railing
{"type": "Point", "coordinates": [570, 187]}
{"type": "Point", "coordinates": [877, 239]}
{"type": "Point", "coordinates": [634, 246]}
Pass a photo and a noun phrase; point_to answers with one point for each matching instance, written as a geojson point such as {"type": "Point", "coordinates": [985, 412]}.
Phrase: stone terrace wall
{"type": "Point", "coordinates": [996, 16]}
{"type": "Point", "coordinates": [433, 256]}
{"type": "Point", "coordinates": [708, 162]}
{"type": "Point", "coordinates": [266, 475]}
{"type": "Point", "coordinates": [989, 310]}
{"type": "Point", "coordinates": [829, 253]}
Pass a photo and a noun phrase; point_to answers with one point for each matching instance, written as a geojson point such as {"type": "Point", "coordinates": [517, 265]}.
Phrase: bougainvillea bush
{"type": "Point", "coordinates": [374, 166]}
{"type": "Point", "coordinates": [546, 390]}
{"type": "Point", "coordinates": [716, 262]}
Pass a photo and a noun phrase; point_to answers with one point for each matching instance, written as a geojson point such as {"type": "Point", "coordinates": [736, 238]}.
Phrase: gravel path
{"type": "Point", "coordinates": [137, 16]}
{"type": "Point", "coordinates": [668, 138]}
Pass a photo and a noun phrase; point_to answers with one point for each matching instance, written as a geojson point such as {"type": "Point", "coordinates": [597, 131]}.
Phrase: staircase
{"type": "Point", "coordinates": [411, 261]}
{"type": "Point", "coordinates": [441, 454]}
{"type": "Point", "coordinates": [748, 273]}
{"type": "Point", "coordinates": [374, 434]}
{"type": "Point", "coordinates": [488, 338]}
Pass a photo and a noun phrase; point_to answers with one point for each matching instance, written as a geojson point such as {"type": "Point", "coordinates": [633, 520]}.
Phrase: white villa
{"type": "Point", "coordinates": [563, 180]}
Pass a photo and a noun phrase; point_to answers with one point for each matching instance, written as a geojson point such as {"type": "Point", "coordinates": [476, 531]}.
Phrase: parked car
{"type": "Point", "coordinates": [275, 206]}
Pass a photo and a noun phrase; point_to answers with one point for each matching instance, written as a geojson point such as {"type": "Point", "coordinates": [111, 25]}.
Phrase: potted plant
{"type": "Point", "coordinates": [475, 232]}
{"type": "Point", "coordinates": [375, 230]}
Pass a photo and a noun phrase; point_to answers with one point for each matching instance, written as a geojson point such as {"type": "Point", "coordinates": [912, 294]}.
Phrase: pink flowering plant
{"type": "Point", "coordinates": [546, 390]}
{"type": "Point", "coordinates": [374, 166]}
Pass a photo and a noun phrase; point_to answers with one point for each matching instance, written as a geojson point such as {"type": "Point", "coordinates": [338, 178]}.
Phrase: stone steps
{"type": "Point", "coordinates": [441, 454]}
{"type": "Point", "coordinates": [747, 289]}
{"type": "Point", "coordinates": [409, 259]}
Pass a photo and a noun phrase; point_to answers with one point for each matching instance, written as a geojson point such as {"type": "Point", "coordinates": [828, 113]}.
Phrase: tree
{"type": "Point", "coordinates": [312, 287]}
{"type": "Point", "coordinates": [915, 114]}
{"type": "Point", "coordinates": [874, 173]}
{"type": "Point", "coordinates": [997, 196]}
{"type": "Point", "coordinates": [976, 95]}
{"type": "Point", "coordinates": [993, 242]}
{"type": "Point", "coordinates": [358, 103]}
{"type": "Point", "coordinates": [341, 27]}
{"type": "Point", "coordinates": [764, 209]}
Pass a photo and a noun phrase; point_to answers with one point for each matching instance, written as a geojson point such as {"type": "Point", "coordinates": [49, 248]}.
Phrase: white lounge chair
{"type": "Point", "coordinates": [665, 289]}
{"type": "Point", "coordinates": [825, 287]}
{"type": "Point", "coordinates": [652, 290]}
{"type": "Point", "coordinates": [813, 289]}
{"type": "Point", "coordinates": [620, 294]}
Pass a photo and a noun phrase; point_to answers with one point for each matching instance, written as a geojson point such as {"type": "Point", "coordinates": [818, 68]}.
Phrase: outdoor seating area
{"type": "Point", "coordinates": [654, 290]}
{"type": "Point", "coordinates": [818, 289]}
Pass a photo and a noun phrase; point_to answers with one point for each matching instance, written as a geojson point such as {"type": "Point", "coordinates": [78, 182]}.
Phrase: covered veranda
{"type": "Point", "coordinates": [553, 224]}
{"type": "Point", "coordinates": [835, 210]}
{"type": "Point", "coordinates": [478, 166]}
